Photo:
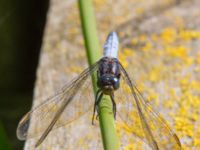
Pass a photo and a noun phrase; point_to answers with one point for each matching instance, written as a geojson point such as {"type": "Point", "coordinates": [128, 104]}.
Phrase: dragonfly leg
{"type": "Point", "coordinates": [114, 104]}
{"type": "Point", "coordinates": [95, 104]}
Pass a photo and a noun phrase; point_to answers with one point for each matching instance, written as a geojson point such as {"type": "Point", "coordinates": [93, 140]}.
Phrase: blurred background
{"type": "Point", "coordinates": [21, 28]}
{"type": "Point", "coordinates": [159, 42]}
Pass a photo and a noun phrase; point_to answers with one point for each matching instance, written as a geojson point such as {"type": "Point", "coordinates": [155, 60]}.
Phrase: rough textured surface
{"type": "Point", "coordinates": [159, 44]}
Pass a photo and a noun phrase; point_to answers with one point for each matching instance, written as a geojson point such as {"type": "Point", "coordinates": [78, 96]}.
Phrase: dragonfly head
{"type": "Point", "coordinates": [108, 83]}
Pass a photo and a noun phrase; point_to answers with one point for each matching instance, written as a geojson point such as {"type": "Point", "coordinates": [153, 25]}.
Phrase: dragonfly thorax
{"type": "Point", "coordinates": [108, 75]}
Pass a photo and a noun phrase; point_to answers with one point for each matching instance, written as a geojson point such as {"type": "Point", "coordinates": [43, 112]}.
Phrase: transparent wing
{"type": "Point", "coordinates": [139, 118]}
{"type": "Point", "coordinates": [71, 102]}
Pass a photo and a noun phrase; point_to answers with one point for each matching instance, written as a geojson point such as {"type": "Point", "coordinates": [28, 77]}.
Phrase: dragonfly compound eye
{"type": "Point", "coordinates": [115, 82]}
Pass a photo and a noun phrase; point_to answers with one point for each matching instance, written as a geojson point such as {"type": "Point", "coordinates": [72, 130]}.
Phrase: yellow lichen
{"type": "Point", "coordinates": [179, 51]}
{"type": "Point", "coordinates": [168, 35]}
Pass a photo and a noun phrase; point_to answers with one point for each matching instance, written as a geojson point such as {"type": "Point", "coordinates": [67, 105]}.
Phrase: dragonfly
{"type": "Point", "coordinates": [68, 104]}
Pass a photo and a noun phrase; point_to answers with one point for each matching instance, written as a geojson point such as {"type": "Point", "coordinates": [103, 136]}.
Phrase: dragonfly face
{"type": "Point", "coordinates": [108, 75]}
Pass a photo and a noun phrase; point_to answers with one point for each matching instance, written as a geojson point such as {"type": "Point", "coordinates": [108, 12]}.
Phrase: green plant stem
{"type": "Point", "coordinates": [108, 132]}
{"type": "Point", "coordinates": [4, 142]}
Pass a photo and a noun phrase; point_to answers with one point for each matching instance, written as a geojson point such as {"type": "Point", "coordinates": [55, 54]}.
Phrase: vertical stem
{"type": "Point", "coordinates": [109, 136]}
{"type": "Point", "coordinates": [4, 142]}
{"type": "Point", "coordinates": [89, 31]}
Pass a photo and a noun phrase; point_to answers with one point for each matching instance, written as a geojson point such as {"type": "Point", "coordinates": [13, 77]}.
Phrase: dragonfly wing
{"type": "Point", "coordinates": [71, 102]}
{"type": "Point", "coordinates": [140, 118]}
